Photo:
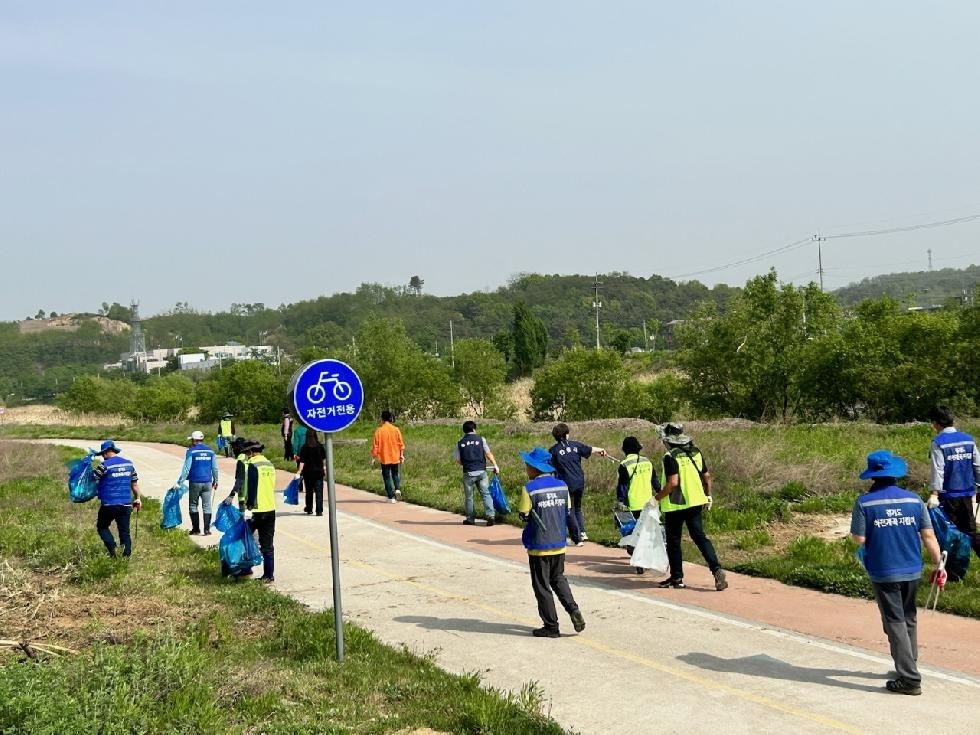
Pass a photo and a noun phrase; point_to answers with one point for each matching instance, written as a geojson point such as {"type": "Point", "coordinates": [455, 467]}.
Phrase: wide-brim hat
{"type": "Point", "coordinates": [882, 463]}
{"type": "Point", "coordinates": [254, 447]}
{"type": "Point", "coordinates": [539, 458]}
{"type": "Point", "coordinates": [677, 440]}
{"type": "Point", "coordinates": [109, 446]}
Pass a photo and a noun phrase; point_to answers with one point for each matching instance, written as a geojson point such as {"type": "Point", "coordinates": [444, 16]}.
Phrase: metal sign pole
{"type": "Point", "coordinates": [338, 615]}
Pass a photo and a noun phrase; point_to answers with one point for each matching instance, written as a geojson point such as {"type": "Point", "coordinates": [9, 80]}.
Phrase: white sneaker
{"type": "Point", "coordinates": [392, 500]}
{"type": "Point", "coordinates": [398, 494]}
{"type": "Point", "coordinates": [584, 537]}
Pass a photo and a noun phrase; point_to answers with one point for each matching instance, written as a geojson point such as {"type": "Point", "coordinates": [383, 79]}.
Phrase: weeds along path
{"type": "Point", "coordinates": [759, 657]}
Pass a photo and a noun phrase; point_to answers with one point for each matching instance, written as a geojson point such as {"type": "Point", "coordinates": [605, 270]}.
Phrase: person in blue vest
{"type": "Point", "coordinates": [892, 524]}
{"type": "Point", "coordinates": [544, 508]}
{"type": "Point", "coordinates": [955, 465]}
{"type": "Point", "coordinates": [200, 470]}
{"type": "Point", "coordinates": [119, 494]}
{"type": "Point", "coordinates": [473, 453]}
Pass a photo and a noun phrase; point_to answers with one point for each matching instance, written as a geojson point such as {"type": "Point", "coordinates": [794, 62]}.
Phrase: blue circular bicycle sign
{"type": "Point", "coordinates": [328, 395]}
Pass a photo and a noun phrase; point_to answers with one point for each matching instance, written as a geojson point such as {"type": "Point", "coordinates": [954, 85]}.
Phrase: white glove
{"type": "Point", "coordinates": [298, 475]}
{"type": "Point", "coordinates": [247, 515]}
{"type": "Point", "coordinates": [711, 501]}
{"type": "Point", "coordinates": [933, 501]}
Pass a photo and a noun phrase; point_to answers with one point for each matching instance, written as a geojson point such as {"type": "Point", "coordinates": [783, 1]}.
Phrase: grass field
{"type": "Point", "coordinates": [161, 644]}
{"type": "Point", "coordinates": [783, 493]}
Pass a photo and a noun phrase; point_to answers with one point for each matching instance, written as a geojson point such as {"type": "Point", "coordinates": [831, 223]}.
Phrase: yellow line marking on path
{"type": "Point", "coordinates": [601, 647]}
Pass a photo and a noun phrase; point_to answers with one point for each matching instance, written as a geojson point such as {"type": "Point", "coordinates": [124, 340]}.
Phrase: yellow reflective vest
{"type": "Point", "coordinates": [265, 490]}
{"type": "Point", "coordinates": [640, 472]}
{"type": "Point", "coordinates": [691, 490]}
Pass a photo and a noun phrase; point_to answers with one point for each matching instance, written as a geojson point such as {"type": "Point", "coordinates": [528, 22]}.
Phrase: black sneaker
{"type": "Point", "coordinates": [677, 584]}
{"type": "Point", "coordinates": [578, 622]}
{"type": "Point", "coordinates": [546, 633]}
{"type": "Point", "coordinates": [469, 522]}
{"type": "Point", "coordinates": [489, 521]}
{"type": "Point", "coordinates": [903, 686]}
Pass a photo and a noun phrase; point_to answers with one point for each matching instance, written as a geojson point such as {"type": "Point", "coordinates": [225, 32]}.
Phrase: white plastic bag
{"type": "Point", "coordinates": [647, 540]}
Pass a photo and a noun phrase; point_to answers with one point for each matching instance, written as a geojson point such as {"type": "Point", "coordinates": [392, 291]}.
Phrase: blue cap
{"type": "Point", "coordinates": [539, 458]}
{"type": "Point", "coordinates": [108, 446]}
{"type": "Point", "coordinates": [882, 463]}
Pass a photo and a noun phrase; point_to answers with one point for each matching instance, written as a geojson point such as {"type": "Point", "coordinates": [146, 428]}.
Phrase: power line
{"type": "Point", "coordinates": [839, 235]}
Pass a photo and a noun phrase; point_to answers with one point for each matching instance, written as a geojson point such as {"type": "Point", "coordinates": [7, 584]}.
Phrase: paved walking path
{"type": "Point", "coordinates": [760, 657]}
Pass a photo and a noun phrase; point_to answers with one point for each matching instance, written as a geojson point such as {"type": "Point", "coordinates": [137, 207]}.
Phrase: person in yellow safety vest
{"type": "Point", "coordinates": [260, 499]}
{"type": "Point", "coordinates": [637, 481]}
{"type": "Point", "coordinates": [685, 493]}
{"type": "Point", "coordinates": [226, 434]}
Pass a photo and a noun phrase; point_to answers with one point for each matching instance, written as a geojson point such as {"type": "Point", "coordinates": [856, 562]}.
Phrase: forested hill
{"type": "Point", "coordinates": [921, 288]}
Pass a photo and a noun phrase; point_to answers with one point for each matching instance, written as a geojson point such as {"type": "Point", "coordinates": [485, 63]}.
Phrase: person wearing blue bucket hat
{"type": "Point", "coordinates": [892, 524]}
{"type": "Point", "coordinates": [118, 484]}
{"type": "Point", "coordinates": [544, 509]}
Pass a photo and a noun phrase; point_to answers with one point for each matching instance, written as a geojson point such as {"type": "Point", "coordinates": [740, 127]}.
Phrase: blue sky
{"type": "Point", "coordinates": [224, 152]}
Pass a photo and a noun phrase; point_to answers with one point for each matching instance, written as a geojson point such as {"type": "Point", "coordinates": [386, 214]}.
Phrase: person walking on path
{"type": "Point", "coordinates": [685, 493]}
{"type": "Point", "coordinates": [637, 482]}
{"type": "Point", "coordinates": [119, 494]}
{"type": "Point", "coordinates": [473, 453]}
{"type": "Point", "coordinates": [241, 463]}
{"type": "Point", "coordinates": [388, 448]}
{"type": "Point", "coordinates": [286, 431]}
{"type": "Point", "coordinates": [200, 470]}
{"type": "Point", "coordinates": [227, 434]}
{"type": "Point", "coordinates": [544, 505]}
{"type": "Point", "coordinates": [892, 524]}
{"type": "Point", "coordinates": [312, 459]}
{"type": "Point", "coordinates": [955, 471]}
{"type": "Point", "coordinates": [260, 499]}
{"type": "Point", "coordinates": [299, 439]}
{"type": "Point", "coordinates": [566, 456]}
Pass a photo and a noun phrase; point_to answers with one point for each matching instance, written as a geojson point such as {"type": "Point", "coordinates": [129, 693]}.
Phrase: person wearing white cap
{"type": "Point", "coordinates": [200, 471]}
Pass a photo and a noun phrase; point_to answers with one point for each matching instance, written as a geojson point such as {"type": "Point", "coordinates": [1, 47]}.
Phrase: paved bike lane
{"type": "Point", "coordinates": [759, 657]}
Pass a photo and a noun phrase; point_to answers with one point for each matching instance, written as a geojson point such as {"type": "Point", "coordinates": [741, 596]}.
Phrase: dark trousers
{"type": "Point", "coordinates": [314, 493]}
{"type": "Point", "coordinates": [121, 515]}
{"type": "Point", "coordinates": [265, 525]}
{"type": "Point", "coordinates": [896, 603]}
{"type": "Point", "coordinates": [674, 523]}
{"type": "Point", "coordinates": [574, 520]}
{"type": "Point", "coordinates": [961, 514]}
{"type": "Point", "coordinates": [547, 574]}
{"type": "Point", "coordinates": [287, 447]}
{"type": "Point", "coordinates": [392, 480]}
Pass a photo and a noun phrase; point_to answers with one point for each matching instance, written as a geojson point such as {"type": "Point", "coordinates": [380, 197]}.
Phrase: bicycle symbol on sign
{"type": "Point", "coordinates": [316, 393]}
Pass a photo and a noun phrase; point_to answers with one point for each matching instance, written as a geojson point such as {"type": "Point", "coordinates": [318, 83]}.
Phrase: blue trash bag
{"type": "Point", "coordinates": [953, 541]}
{"type": "Point", "coordinates": [221, 444]}
{"type": "Point", "coordinates": [500, 504]}
{"type": "Point", "coordinates": [290, 496]}
{"type": "Point", "coordinates": [170, 516]}
{"type": "Point", "coordinates": [238, 550]}
{"type": "Point", "coordinates": [82, 485]}
{"type": "Point", "coordinates": [226, 517]}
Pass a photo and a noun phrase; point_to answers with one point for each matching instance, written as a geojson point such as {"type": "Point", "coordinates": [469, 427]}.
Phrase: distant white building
{"type": "Point", "coordinates": [209, 356]}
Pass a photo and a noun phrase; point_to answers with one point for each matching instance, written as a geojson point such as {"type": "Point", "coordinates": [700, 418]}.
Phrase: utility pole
{"type": "Point", "coordinates": [452, 348]}
{"type": "Point", "coordinates": [596, 304]}
{"type": "Point", "coordinates": [820, 240]}
{"type": "Point", "coordinates": [644, 335]}
{"type": "Point", "coordinates": [929, 253]}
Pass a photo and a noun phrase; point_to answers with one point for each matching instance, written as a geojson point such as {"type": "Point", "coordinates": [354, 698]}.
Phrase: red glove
{"type": "Point", "coordinates": [938, 578]}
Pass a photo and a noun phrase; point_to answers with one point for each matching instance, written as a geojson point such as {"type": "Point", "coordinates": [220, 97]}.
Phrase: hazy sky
{"type": "Point", "coordinates": [221, 152]}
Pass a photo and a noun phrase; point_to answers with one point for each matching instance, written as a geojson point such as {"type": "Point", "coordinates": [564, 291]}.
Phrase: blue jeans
{"type": "Point", "coordinates": [392, 480]}
{"type": "Point", "coordinates": [120, 514]}
{"type": "Point", "coordinates": [199, 491]}
{"type": "Point", "coordinates": [481, 481]}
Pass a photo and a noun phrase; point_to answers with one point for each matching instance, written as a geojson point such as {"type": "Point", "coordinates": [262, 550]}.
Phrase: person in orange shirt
{"type": "Point", "coordinates": [389, 450]}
